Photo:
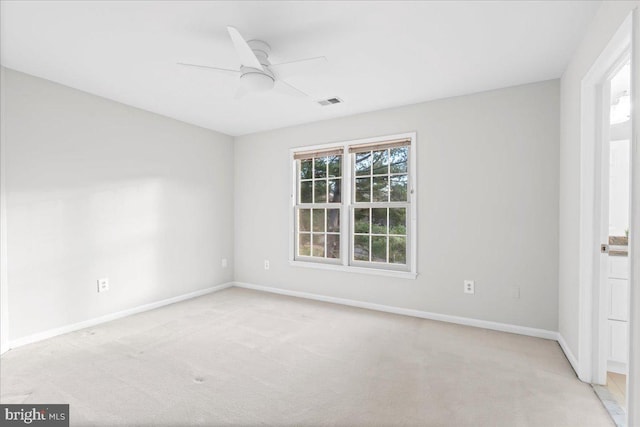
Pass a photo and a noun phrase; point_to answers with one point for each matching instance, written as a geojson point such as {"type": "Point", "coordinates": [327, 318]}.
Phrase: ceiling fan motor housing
{"type": "Point", "coordinates": [261, 50]}
{"type": "Point", "coordinates": [258, 80]}
{"type": "Point", "coordinates": [257, 74]}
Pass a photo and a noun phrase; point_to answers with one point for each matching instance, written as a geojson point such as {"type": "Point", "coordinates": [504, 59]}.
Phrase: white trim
{"type": "Point", "coordinates": [568, 353]}
{"type": "Point", "coordinates": [413, 195]}
{"type": "Point", "coordinates": [484, 324]}
{"type": "Point", "coordinates": [112, 316]}
{"type": "Point", "coordinates": [346, 207]}
{"type": "Point", "coordinates": [617, 367]}
{"type": "Point", "coordinates": [590, 212]}
{"type": "Point", "coordinates": [354, 269]}
{"type": "Point", "coordinates": [601, 276]}
{"type": "Point", "coordinates": [633, 383]}
{"type": "Point", "coordinates": [4, 284]}
{"type": "Point", "coordinates": [342, 143]}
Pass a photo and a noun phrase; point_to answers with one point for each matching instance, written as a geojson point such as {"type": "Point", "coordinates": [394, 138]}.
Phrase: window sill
{"type": "Point", "coordinates": [352, 269]}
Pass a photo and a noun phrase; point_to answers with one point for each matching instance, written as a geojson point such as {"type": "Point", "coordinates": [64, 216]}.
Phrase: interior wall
{"type": "Point", "coordinates": [608, 19]}
{"type": "Point", "coordinates": [97, 189]}
{"type": "Point", "coordinates": [487, 206]}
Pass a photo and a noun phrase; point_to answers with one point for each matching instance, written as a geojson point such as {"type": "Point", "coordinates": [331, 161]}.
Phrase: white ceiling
{"type": "Point", "coordinates": [381, 54]}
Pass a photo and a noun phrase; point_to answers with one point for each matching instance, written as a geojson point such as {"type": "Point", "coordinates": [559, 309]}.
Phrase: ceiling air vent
{"type": "Point", "coordinates": [330, 101]}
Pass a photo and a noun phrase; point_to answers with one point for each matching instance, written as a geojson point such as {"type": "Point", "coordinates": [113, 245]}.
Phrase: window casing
{"type": "Point", "coordinates": [354, 206]}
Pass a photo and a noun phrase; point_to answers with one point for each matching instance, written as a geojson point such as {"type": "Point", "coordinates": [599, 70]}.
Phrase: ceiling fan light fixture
{"type": "Point", "coordinates": [257, 82]}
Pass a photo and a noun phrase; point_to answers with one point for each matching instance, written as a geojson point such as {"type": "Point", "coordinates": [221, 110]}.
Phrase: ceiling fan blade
{"type": "Point", "coordinates": [247, 57]}
{"type": "Point", "coordinates": [286, 89]}
{"type": "Point", "coordinates": [302, 66]}
{"type": "Point", "coordinates": [225, 70]}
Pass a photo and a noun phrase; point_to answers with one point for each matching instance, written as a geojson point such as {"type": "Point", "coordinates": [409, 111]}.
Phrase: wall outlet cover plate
{"type": "Point", "coordinates": [469, 287]}
{"type": "Point", "coordinates": [103, 285]}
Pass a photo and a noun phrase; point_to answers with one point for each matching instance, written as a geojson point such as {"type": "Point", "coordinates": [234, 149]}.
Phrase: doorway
{"type": "Point", "coordinates": [606, 353]}
{"type": "Point", "coordinates": [615, 209]}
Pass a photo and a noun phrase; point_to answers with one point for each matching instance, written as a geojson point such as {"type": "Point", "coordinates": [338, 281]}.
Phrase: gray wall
{"type": "Point", "coordinates": [96, 189]}
{"type": "Point", "coordinates": [487, 210]}
{"type": "Point", "coordinates": [99, 189]}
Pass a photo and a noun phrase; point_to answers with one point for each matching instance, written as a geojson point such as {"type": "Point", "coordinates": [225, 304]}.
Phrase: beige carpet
{"type": "Point", "coordinates": [241, 357]}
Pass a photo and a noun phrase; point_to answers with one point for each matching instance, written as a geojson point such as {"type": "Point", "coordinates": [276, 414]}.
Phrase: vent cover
{"type": "Point", "coordinates": [330, 101]}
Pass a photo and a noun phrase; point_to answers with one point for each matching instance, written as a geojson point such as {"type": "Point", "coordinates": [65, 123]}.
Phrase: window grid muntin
{"type": "Point", "coordinates": [387, 235]}
{"type": "Point", "coordinates": [348, 174]}
{"type": "Point", "coordinates": [371, 204]}
{"type": "Point", "coordinates": [327, 177]}
{"type": "Point", "coordinates": [372, 175]}
{"type": "Point", "coordinates": [325, 230]}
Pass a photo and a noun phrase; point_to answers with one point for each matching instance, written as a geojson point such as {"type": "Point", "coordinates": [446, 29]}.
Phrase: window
{"type": "Point", "coordinates": [354, 206]}
{"type": "Point", "coordinates": [319, 205]}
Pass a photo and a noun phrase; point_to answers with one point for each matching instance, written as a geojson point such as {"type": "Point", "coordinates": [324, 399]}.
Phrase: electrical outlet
{"type": "Point", "coordinates": [266, 264]}
{"type": "Point", "coordinates": [103, 285]}
{"type": "Point", "coordinates": [224, 263]}
{"type": "Point", "coordinates": [469, 287]}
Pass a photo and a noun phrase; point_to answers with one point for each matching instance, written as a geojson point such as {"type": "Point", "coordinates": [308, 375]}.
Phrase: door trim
{"type": "Point", "coordinates": [633, 381]}
{"type": "Point", "coordinates": [590, 361]}
{"type": "Point", "coordinates": [590, 323]}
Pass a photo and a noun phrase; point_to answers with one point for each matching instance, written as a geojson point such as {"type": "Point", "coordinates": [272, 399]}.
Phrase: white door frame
{"type": "Point", "coordinates": [633, 381]}
{"type": "Point", "coordinates": [4, 287]}
{"type": "Point", "coordinates": [591, 153]}
{"type": "Point", "coordinates": [601, 333]}
{"type": "Point", "coordinates": [591, 359]}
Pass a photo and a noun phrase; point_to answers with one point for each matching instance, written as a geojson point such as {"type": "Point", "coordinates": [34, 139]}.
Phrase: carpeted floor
{"type": "Point", "coordinates": [241, 357]}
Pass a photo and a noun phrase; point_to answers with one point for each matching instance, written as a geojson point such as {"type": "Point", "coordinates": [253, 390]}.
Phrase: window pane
{"type": "Point", "coordinates": [363, 189]}
{"type": "Point", "coordinates": [320, 193]}
{"type": "Point", "coordinates": [304, 219]}
{"type": "Point", "coordinates": [379, 248]}
{"type": "Point", "coordinates": [318, 245]}
{"type": "Point", "coordinates": [397, 221]}
{"type": "Point", "coordinates": [399, 159]}
{"type": "Point", "coordinates": [361, 248]}
{"type": "Point", "coordinates": [398, 250]}
{"type": "Point", "coordinates": [304, 247]}
{"type": "Point", "coordinates": [333, 220]}
{"type": "Point", "coordinates": [379, 221]}
{"type": "Point", "coordinates": [333, 246]}
{"type": "Point", "coordinates": [399, 188]}
{"type": "Point", "coordinates": [380, 162]}
{"type": "Point", "coordinates": [306, 167]}
{"type": "Point", "coordinates": [361, 220]}
{"type": "Point", "coordinates": [379, 231]}
{"type": "Point", "coordinates": [363, 163]}
{"type": "Point", "coordinates": [334, 190]}
{"type": "Point", "coordinates": [306, 191]}
{"type": "Point", "coordinates": [318, 220]}
{"type": "Point", "coordinates": [380, 188]}
{"type": "Point", "coordinates": [335, 166]}
{"type": "Point", "coordinates": [321, 167]}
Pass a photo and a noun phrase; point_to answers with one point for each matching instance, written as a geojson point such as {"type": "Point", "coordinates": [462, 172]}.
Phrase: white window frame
{"type": "Point", "coordinates": [347, 205]}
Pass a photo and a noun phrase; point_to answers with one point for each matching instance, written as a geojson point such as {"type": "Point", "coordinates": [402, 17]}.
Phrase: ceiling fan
{"type": "Point", "coordinates": [257, 74]}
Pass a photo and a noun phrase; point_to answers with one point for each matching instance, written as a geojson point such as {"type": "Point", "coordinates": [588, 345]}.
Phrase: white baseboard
{"type": "Point", "coordinates": [109, 317]}
{"type": "Point", "coordinates": [617, 367]}
{"type": "Point", "coordinates": [485, 324]}
{"type": "Point", "coordinates": [567, 352]}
